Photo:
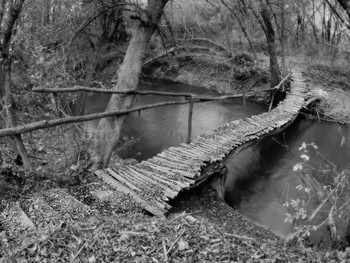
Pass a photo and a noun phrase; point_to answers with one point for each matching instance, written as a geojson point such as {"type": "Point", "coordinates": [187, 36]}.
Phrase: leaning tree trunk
{"type": "Point", "coordinates": [108, 130]}
{"type": "Point", "coordinates": [9, 16]}
{"type": "Point", "coordinates": [271, 42]}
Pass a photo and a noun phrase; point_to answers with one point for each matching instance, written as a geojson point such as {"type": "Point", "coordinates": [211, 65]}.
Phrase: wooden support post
{"type": "Point", "coordinates": [244, 97]}
{"type": "Point", "coordinates": [189, 127]}
{"type": "Point", "coordinates": [272, 99]}
{"type": "Point", "coordinates": [244, 106]}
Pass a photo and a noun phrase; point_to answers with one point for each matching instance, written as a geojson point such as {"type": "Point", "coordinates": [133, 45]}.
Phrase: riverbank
{"type": "Point", "coordinates": [224, 75]}
{"type": "Point", "coordinates": [237, 75]}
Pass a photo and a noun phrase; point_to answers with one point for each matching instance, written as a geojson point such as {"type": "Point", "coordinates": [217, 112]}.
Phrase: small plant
{"type": "Point", "coordinates": [326, 198]}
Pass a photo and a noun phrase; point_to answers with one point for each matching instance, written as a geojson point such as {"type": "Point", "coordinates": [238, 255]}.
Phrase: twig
{"type": "Point", "coordinates": [165, 252]}
{"type": "Point", "coordinates": [133, 233]}
{"type": "Point", "coordinates": [77, 254]}
{"type": "Point", "coordinates": [82, 247]}
{"type": "Point", "coordinates": [173, 244]}
{"type": "Point", "coordinates": [237, 236]}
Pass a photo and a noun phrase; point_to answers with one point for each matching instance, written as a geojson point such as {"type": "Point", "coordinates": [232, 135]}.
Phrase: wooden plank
{"type": "Point", "coordinates": [178, 166]}
{"type": "Point", "coordinates": [194, 163]}
{"type": "Point", "coordinates": [140, 184]}
{"type": "Point", "coordinates": [16, 219]}
{"type": "Point", "coordinates": [199, 151]}
{"type": "Point", "coordinates": [132, 178]}
{"type": "Point", "coordinates": [167, 170]}
{"type": "Point", "coordinates": [153, 209]}
{"type": "Point", "coordinates": [180, 151]}
{"type": "Point", "coordinates": [180, 184]}
{"type": "Point", "coordinates": [175, 172]}
{"type": "Point", "coordinates": [162, 184]}
{"type": "Point", "coordinates": [122, 180]}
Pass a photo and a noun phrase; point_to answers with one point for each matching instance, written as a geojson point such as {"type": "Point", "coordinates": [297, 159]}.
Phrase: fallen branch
{"type": "Point", "coordinates": [218, 45]}
{"type": "Point", "coordinates": [237, 236]}
{"type": "Point", "coordinates": [173, 244]}
{"type": "Point", "coordinates": [177, 49]}
{"type": "Point", "coordinates": [133, 233]}
{"type": "Point", "coordinates": [106, 91]}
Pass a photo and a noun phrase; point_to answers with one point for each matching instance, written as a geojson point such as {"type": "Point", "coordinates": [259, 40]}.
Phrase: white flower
{"type": "Point", "coordinates": [303, 146]}
{"type": "Point", "coordinates": [297, 167]}
{"type": "Point", "coordinates": [305, 157]}
{"type": "Point", "coordinates": [322, 93]}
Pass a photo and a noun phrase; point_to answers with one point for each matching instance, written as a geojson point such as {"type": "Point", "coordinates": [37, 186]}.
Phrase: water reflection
{"type": "Point", "coordinates": [159, 128]}
{"type": "Point", "coordinates": [262, 179]}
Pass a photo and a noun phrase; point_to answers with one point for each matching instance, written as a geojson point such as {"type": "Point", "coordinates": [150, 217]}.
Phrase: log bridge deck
{"type": "Point", "coordinates": [154, 182]}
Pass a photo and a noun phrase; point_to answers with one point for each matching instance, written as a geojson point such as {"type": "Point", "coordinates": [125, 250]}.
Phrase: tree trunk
{"type": "Point", "coordinates": [108, 130]}
{"type": "Point", "coordinates": [90, 71]}
{"type": "Point", "coordinates": [283, 32]}
{"type": "Point", "coordinates": [271, 42]}
{"type": "Point", "coordinates": [9, 16]}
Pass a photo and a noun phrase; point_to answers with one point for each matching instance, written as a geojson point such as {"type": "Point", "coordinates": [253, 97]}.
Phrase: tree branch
{"type": "Point", "coordinates": [150, 92]}
{"type": "Point", "coordinates": [337, 14]}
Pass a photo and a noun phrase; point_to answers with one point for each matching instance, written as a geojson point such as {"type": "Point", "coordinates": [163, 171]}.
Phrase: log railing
{"type": "Point", "coordinates": [189, 98]}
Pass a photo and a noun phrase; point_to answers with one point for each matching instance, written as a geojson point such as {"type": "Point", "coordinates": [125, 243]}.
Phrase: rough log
{"type": "Point", "coordinates": [177, 49]}
{"type": "Point", "coordinates": [150, 92]}
{"type": "Point", "coordinates": [51, 123]}
{"type": "Point", "coordinates": [218, 45]}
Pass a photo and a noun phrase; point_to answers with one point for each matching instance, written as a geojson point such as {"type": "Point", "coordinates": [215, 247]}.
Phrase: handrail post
{"type": "Point", "coordinates": [189, 126]}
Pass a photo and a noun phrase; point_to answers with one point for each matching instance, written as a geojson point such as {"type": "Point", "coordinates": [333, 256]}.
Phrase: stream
{"type": "Point", "coordinates": [261, 179]}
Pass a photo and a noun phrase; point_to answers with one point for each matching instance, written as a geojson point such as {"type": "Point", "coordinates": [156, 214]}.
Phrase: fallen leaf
{"type": "Point", "coordinates": [191, 219]}
{"type": "Point", "coordinates": [123, 237]}
{"type": "Point", "coordinates": [183, 245]}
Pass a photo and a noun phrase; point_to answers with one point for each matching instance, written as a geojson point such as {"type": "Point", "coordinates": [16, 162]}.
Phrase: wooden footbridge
{"type": "Point", "coordinates": [154, 182]}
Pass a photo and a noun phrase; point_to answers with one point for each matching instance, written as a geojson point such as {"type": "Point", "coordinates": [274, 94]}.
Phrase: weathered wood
{"type": "Point", "coordinates": [168, 191]}
{"type": "Point", "coordinates": [52, 123]}
{"type": "Point", "coordinates": [146, 205]}
{"type": "Point", "coordinates": [189, 123]}
{"type": "Point", "coordinates": [15, 219]}
{"type": "Point", "coordinates": [122, 180]}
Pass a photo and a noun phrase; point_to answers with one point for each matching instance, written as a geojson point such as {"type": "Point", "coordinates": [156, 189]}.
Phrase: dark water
{"type": "Point", "coordinates": [261, 179]}
{"type": "Point", "coordinates": [159, 128]}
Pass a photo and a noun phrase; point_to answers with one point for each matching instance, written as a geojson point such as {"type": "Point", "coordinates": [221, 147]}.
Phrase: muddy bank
{"type": "Point", "coordinates": [225, 75]}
